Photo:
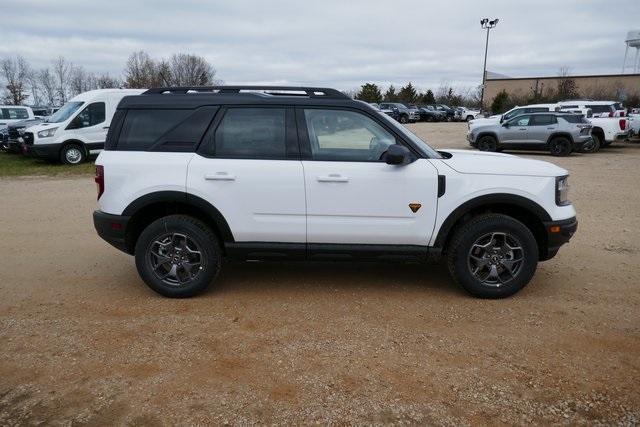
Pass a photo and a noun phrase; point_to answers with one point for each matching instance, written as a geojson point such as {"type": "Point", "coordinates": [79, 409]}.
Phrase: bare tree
{"type": "Point", "coordinates": [34, 87]}
{"type": "Point", "coordinates": [567, 87]}
{"type": "Point", "coordinates": [105, 81]}
{"type": "Point", "coordinates": [82, 81]}
{"type": "Point", "coordinates": [190, 70]}
{"type": "Point", "coordinates": [47, 86]}
{"type": "Point", "coordinates": [141, 71]}
{"type": "Point", "coordinates": [15, 72]}
{"type": "Point", "coordinates": [62, 73]}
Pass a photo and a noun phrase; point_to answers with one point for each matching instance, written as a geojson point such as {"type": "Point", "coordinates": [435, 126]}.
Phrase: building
{"type": "Point", "coordinates": [620, 86]}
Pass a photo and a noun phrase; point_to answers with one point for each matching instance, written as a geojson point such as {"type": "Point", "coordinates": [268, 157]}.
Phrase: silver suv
{"type": "Point", "coordinates": [558, 133]}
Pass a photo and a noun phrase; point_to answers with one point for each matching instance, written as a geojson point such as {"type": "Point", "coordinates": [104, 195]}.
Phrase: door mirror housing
{"type": "Point", "coordinates": [397, 155]}
{"type": "Point", "coordinates": [505, 124]}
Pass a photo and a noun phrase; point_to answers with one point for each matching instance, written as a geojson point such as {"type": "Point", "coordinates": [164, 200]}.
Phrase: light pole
{"type": "Point", "coordinates": [488, 25]}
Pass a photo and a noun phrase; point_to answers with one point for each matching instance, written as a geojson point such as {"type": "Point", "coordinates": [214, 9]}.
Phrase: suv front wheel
{"type": "Point", "coordinates": [178, 256]}
{"type": "Point", "coordinates": [493, 256]}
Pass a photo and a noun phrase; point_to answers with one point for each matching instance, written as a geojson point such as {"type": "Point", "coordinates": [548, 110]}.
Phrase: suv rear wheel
{"type": "Point", "coordinates": [404, 118]}
{"type": "Point", "coordinates": [178, 256]}
{"type": "Point", "coordinates": [493, 256]}
{"type": "Point", "coordinates": [560, 146]}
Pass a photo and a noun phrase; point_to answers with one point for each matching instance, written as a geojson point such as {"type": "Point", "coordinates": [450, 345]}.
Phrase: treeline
{"type": "Point", "coordinates": [62, 80]}
{"type": "Point", "coordinates": [409, 94]}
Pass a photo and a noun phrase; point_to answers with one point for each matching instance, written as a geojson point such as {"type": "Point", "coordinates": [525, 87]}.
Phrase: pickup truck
{"type": "Point", "coordinates": [607, 130]}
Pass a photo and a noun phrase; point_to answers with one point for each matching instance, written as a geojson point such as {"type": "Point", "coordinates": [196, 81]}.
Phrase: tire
{"type": "Point", "coordinates": [487, 143]}
{"type": "Point", "coordinates": [404, 119]}
{"type": "Point", "coordinates": [72, 154]}
{"type": "Point", "coordinates": [560, 146]}
{"type": "Point", "coordinates": [591, 147]}
{"type": "Point", "coordinates": [496, 248]}
{"type": "Point", "coordinates": [167, 246]}
{"type": "Point", "coordinates": [469, 118]}
{"type": "Point", "coordinates": [598, 140]}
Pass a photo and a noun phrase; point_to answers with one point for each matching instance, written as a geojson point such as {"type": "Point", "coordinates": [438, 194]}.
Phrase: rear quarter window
{"type": "Point", "coordinates": [163, 129]}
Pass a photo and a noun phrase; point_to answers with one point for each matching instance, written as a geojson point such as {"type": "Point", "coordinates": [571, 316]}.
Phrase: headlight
{"type": "Point", "coordinates": [562, 190]}
{"type": "Point", "coordinates": [47, 133]}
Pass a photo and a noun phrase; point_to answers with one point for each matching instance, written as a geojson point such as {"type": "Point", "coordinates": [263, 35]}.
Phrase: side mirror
{"type": "Point", "coordinates": [396, 154]}
{"type": "Point", "coordinates": [505, 124]}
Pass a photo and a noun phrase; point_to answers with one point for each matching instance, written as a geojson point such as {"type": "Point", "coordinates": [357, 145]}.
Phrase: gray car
{"type": "Point", "coordinates": [558, 133]}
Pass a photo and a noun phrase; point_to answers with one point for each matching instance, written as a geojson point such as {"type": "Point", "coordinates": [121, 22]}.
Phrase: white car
{"type": "Point", "coordinates": [467, 114]}
{"type": "Point", "coordinates": [264, 173]}
{"type": "Point", "coordinates": [634, 124]}
{"type": "Point", "coordinates": [78, 129]}
{"type": "Point", "coordinates": [515, 111]}
{"type": "Point", "coordinates": [14, 113]}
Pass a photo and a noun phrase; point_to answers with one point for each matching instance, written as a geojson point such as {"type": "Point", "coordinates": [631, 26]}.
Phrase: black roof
{"type": "Point", "coordinates": [197, 96]}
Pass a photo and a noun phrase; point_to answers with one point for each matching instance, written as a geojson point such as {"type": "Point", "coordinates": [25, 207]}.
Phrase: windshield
{"type": "Point", "coordinates": [420, 144]}
{"type": "Point", "coordinates": [64, 112]}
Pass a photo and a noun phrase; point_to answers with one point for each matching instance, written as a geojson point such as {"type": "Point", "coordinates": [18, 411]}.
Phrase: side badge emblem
{"type": "Point", "coordinates": [414, 207]}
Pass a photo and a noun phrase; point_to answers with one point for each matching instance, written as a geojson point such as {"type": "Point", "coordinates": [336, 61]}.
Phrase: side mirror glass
{"type": "Point", "coordinates": [397, 154]}
{"type": "Point", "coordinates": [505, 124]}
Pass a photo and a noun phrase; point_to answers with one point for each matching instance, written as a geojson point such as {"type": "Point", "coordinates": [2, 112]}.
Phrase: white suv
{"type": "Point", "coordinates": [191, 176]}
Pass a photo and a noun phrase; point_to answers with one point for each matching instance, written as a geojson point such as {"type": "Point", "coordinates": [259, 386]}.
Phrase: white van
{"type": "Point", "coordinates": [14, 113]}
{"type": "Point", "coordinates": [78, 129]}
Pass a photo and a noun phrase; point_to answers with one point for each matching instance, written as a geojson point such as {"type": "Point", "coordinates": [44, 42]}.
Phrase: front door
{"type": "Point", "coordinates": [89, 125]}
{"type": "Point", "coordinates": [353, 196]}
{"type": "Point", "coordinates": [517, 131]}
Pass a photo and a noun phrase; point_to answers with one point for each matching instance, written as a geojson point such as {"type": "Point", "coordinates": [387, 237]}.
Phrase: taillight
{"type": "Point", "coordinates": [623, 124]}
{"type": "Point", "coordinates": [622, 113]}
{"type": "Point", "coordinates": [100, 180]}
{"type": "Point", "coordinates": [611, 114]}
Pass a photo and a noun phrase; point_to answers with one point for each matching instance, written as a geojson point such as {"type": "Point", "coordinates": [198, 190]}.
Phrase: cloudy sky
{"type": "Point", "coordinates": [339, 43]}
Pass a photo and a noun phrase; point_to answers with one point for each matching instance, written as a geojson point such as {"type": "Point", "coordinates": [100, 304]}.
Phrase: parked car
{"type": "Point", "coordinates": [16, 130]}
{"type": "Point", "coordinates": [634, 124]}
{"type": "Point", "coordinates": [599, 108]}
{"type": "Point", "coordinates": [187, 179]}
{"type": "Point", "coordinates": [448, 112]}
{"type": "Point", "coordinates": [405, 114]}
{"type": "Point", "coordinates": [13, 113]}
{"type": "Point", "coordinates": [77, 129]}
{"type": "Point", "coordinates": [558, 133]}
{"type": "Point", "coordinates": [391, 112]}
{"type": "Point", "coordinates": [516, 111]}
{"type": "Point", "coordinates": [4, 137]}
{"type": "Point", "coordinates": [430, 114]}
{"type": "Point", "coordinates": [466, 114]}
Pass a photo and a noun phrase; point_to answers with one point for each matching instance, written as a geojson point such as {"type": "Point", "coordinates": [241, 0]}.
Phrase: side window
{"type": "Point", "coordinates": [15, 113]}
{"type": "Point", "coordinates": [142, 128]}
{"type": "Point", "coordinates": [342, 135]}
{"type": "Point", "coordinates": [513, 113]}
{"type": "Point", "coordinates": [543, 120]}
{"type": "Point", "coordinates": [92, 115]}
{"type": "Point", "coordinates": [251, 133]}
{"type": "Point", "coordinates": [536, 110]}
{"type": "Point", "coordinates": [520, 121]}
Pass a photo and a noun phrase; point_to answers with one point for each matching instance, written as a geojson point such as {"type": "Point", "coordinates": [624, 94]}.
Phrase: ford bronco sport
{"type": "Point", "coordinates": [192, 175]}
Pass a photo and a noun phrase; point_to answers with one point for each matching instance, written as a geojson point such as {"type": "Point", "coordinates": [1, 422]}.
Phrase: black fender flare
{"type": "Point", "coordinates": [488, 200]}
{"type": "Point", "coordinates": [561, 134]}
{"type": "Point", "coordinates": [184, 198]}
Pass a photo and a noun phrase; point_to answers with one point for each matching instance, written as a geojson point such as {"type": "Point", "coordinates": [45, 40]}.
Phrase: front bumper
{"type": "Point", "coordinates": [112, 229]}
{"type": "Point", "coordinates": [558, 233]}
{"type": "Point", "coordinates": [42, 151]}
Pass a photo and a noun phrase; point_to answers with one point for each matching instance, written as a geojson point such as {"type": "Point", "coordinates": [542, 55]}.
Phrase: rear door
{"type": "Point", "coordinates": [353, 196]}
{"type": "Point", "coordinates": [540, 127]}
{"type": "Point", "coordinates": [248, 167]}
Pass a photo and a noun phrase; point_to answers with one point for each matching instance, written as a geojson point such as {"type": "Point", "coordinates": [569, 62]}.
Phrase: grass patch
{"type": "Point", "coordinates": [19, 165]}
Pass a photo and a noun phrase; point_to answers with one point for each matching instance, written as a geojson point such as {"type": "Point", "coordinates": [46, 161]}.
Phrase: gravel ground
{"type": "Point", "coordinates": [82, 339]}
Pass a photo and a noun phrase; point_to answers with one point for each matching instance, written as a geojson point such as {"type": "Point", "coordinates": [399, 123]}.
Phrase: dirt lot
{"type": "Point", "coordinates": [82, 339]}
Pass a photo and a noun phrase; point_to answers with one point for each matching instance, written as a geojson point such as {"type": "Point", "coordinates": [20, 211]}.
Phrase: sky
{"type": "Point", "coordinates": [336, 43]}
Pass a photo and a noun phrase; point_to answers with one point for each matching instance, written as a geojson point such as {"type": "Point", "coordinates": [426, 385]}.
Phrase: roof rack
{"type": "Point", "coordinates": [311, 92]}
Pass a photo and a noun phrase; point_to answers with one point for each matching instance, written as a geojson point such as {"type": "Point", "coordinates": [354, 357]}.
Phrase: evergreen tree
{"type": "Point", "coordinates": [408, 94]}
{"type": "Point", "coordinates": [428, 98]}
{"type": "Point", "coordinates": [390, 95]}
{"type": "Point", "coordinates": [499, 104]}
{"type": "Point", "coordinates": [369, 92]}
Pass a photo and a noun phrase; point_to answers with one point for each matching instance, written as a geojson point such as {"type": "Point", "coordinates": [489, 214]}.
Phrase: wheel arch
{"type": "Point", "coordinates": [530, 213]}
{"type": "Point", "coordinates": [73, 141]}
{"type": "Point", "coordinates": [488, 133]}
{"type": "Point", "coordinates": [152, 206]}
{"type": "Point", "coordinates": [560, 134]}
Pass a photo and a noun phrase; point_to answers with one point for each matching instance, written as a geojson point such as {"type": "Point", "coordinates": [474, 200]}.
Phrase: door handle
{"type": "Point", "coordinates": [105, 127]}
{"type": "Point", "coordinates": [522, 129]}
{"type": "Point", "coordinates": [333, 177]}
{"type": "Point", "coordinates": [551, 128]}
{"type": "Point", "coordinates": [220, 176]}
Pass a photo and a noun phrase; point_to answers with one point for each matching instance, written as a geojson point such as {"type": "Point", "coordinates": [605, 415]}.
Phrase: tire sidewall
{"type": "Point", "coordinates": [563, 143]}
{"type": "Point", "coordinates": [196, 231]}
{"type": "Point", "coordinates": [458, 262]}
{"type": "Point", "coordinates": [487, 143]}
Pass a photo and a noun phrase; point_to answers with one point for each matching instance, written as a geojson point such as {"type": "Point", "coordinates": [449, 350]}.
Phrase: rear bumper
{"type": "Point", "coordinates": [112, 229]}
{"type": "Point", "coordinates": [558, 233]}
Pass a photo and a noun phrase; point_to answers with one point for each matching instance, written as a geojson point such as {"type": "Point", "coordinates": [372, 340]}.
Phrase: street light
{"type": "Point", "coordinates": [488, 25]}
